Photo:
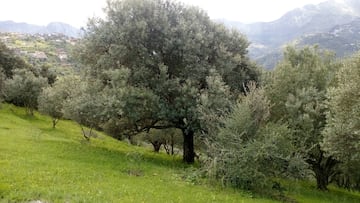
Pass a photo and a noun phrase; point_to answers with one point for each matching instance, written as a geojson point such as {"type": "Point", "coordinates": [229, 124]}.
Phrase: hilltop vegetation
{"type": "Point", "coordinates": [51, 50]}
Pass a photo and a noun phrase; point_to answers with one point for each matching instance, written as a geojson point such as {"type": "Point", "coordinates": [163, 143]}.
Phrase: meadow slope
{"type": "Point", "coordinates": [57, 165]}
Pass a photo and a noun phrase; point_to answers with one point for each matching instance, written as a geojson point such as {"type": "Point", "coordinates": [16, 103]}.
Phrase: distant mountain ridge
{"type": "Point", "coordinates": [343, 39]}
{"type": "Point", "coordinates": [53, 27]}
{"type": "Point", "coordinates": [311, 24]}
{"type": "Point", "coordinates": [333, 24]}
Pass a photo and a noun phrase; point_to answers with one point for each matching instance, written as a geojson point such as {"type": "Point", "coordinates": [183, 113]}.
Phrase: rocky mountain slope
{"type": "Point", "coordinates": [343, 39]}
{"type": "Point", "coordinates": [331, 25]}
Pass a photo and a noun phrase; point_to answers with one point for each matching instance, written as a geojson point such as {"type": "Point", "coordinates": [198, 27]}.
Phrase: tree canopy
{"type": "Point", "coordinates": [169, 50]}
{"type": "Point", "coordinates": [23, 89]}
{"type": "Point", "coordinates": [341, 133]}
{"type": "Point", "coordinates": [297, 89]}
{"type": "Point", "coordinates": [9, 61]}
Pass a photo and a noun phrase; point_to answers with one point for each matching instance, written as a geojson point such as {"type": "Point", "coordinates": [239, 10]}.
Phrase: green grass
{"type": "Point", "coordinates": [57, 165]}
{"type": "Point", "coordinates": [307, 193]}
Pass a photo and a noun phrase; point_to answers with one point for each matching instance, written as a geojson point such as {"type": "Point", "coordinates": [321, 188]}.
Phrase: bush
{"type": "Point", "coordinates": [249, 152]}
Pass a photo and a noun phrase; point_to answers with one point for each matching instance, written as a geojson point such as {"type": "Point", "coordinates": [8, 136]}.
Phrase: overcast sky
{"type": "Point", "coordinates": [76, 12]}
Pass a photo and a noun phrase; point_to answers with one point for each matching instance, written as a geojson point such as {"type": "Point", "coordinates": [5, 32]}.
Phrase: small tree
{"type": "Point", "coordinates": [23, 89]}
{"type": "Point", "coordinates": [248, 152]}
{"type": "Point", "coordinates": [157, 138]}
{"type": "Point", "coordinates": [86, 106]}
{"type": "Point", "coordinates": [173, 139]}
{"type": "Point", "coordinates": [50, 103]}
{"type": "Point", "coordinates": [51, 100]}
{"type": "Point", "coordinates": [45, 71]}
{"type": "Point", "coordinates": [168, 138]}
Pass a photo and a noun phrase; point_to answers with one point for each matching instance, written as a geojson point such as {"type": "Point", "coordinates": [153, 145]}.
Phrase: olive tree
{"type": "Point", "coordinates": [169, 49]}
{"type": "Point", "coordinates": [23, 89]}
{"type": "Point", "coordinates": [341, 133]}
{"type": "Point", "coordinates": [169, 139]}
{"type": "Point", "coordinates": [297, 89]}
{"type": "Point", "coordinates": [52, 98]}
{"type": "Point", "coordinates": [249, 151]}
{"type": "Point", "coordinates": [85, 105]}
{"type": "Point", "coordinates": [9, 61]}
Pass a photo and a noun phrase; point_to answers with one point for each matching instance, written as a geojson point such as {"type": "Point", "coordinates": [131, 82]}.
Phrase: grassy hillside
{"type": "Point", "coordinates": [57, 165]}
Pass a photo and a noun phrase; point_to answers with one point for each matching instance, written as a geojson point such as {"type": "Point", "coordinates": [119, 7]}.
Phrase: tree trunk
{"type": "Point", "coordinates": [156, 145]}
{"type": "Point", "coordinates": [323, 167]}
{"type": "Point", "coordinates": [188, 146]}
{"type": "Point", "coordinates": [169, 147]}
{"type": "Point", "coordinates": [322, 180]}
{"type": "Point", "coordinates": [84, 133]}
{"type": "Point", "coordinates": [172, 146]}
{"type": "Point", "coordinates": [54, 122]}
{"type": "Point", "coordinates": [29, 110]}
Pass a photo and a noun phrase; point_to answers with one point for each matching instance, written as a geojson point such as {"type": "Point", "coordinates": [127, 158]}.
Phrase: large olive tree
{"type": "Point", "coordinates": [297, 90]}
{"type": "Point", "coordinates": [341, 133]}
{"type": "Point", "coordinates": [169, 49]}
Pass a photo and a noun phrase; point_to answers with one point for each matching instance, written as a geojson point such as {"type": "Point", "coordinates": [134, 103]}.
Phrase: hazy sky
{"type": "Point", "coordinates": [76, 12]}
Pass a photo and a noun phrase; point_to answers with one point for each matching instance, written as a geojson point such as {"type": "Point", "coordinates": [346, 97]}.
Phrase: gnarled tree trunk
{"type": "Point", "coordinates": [156, 144]}
{"type": "Point", "coordinates": [188, 146]}
{"type": "Point", "coordinates": [323, 167]}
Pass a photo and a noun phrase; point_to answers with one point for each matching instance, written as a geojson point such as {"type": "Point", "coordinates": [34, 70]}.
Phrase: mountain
{"type": "Point", "coordinates": [63, 28]}
{"type": "Point", "coordinates": [54, 27]}
{"type": "Point", "coordinates": [311, 24]}
{"type": "Point", "coordinates": [343, 39]}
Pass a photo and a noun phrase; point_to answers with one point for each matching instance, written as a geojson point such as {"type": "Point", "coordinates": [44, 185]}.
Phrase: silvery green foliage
{"type": "Point", "coordinates": [86, 105]}
{"type": "Point", "coordinates": [214, 104]}
{"type": "Point", "coordinates": [52, 98]}
{"type": "Point", "coordinates": [249, 151]}
{"type": "Point", "coordinates": [24, 88]}
{"type": "Point", "coordinates": [342, 131]}
{"type": "Point", "coordinates": [169, 49]}
{"type": "Point", "coordinates": [297, 89]}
